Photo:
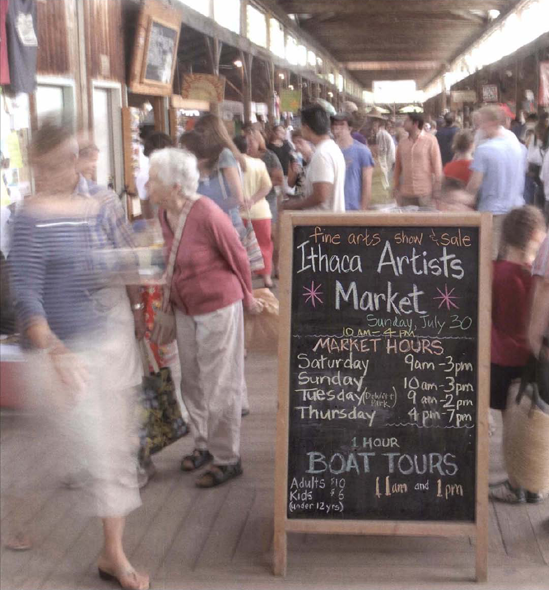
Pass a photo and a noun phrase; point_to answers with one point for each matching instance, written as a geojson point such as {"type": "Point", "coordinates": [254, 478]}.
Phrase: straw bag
{"type": "Point", "coordinates": [261, 331]}
{"type": "Point", "coordinates": [526, 435]}
{"type": "Point", "coordinates": [163, 331]}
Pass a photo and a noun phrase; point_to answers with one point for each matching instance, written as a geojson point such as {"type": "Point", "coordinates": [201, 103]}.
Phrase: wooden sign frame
{"type": "Point", "coordinates": [152, 12]}
{"type": "Point", "coordinates": [477, 529]}
{"type": "Point", "coordinates": [217, 86]}
{"type": "Point", "coordinates": [490, 93]}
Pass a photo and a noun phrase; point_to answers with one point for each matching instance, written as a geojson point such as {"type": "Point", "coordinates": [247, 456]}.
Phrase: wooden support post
{"type": "Point", "coordinates": [316, 90]}
{"type": "Point", "coordinates": [517, 98]}
{"type": "Point", "coordinates": [244, 18]}
{"type": "Point", "coordinates": [159, 115]}
{"type": "Point", "coordinates": [536, 95]}
{"type": "Point", "coordinates": [444, 98]}
{"type": "Point", "coordinates": [269, 65]}
{"type": "Point", "coordinates": [75, 47]}
{"type": "Point", "coordinates": [172, 117]}
{"type": "Point", "coordinates": [247, 63]}
{"type": "Point", "coordinates": [214, 47]}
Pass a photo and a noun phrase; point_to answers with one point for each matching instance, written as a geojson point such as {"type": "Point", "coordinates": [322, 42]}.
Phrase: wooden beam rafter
{"type": "Point", "coordinates": [357, 7]}
{"type": "Point", "coordinates": [375, 66]}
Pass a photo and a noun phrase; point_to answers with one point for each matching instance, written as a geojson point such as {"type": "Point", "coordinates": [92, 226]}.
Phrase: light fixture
{"type": "Point", "coordinates": [281, 76]}
{"type": "Point", "coordinates": [290, 87]}
{"type": "Point", "coordinates": [237, 63]}
{"type": "Point", "coordinates": [330, 94]}
{"type": "Point", "coordinates": [493, 14]}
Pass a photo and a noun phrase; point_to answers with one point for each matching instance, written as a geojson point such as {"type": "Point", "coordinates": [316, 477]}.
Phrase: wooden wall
{"type": "Point", "coordinates": [104, 40]}
{"type": "Point", "coordinates": [54, 52]}
{"type": "Point", "coordinates": [513, 75]}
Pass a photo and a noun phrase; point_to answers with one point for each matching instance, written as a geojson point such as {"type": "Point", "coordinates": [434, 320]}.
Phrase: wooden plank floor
{"type": "Point", "coordinates": [222, 539]}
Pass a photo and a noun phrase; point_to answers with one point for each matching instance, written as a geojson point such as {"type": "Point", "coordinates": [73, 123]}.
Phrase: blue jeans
{"type": "Point", "coordinates": [530, 189]}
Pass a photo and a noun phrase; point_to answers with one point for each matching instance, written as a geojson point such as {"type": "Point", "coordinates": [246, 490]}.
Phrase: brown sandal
{"type": "Point", "coordinates": [219, 474]}
{"type": "Point", "coordinates": [198, 459]}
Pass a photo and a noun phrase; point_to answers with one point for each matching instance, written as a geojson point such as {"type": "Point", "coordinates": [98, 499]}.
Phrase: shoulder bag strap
{"type": "Point", "coordinates": [221, 179]}
{"type": "Point", "coordinates": [147, 358]}
{"type": "Point", "coordinates": [173, 252]}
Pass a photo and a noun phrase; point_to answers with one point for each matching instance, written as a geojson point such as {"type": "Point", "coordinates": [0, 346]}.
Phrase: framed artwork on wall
{"type": "Point", "coordinates": [155, 52]}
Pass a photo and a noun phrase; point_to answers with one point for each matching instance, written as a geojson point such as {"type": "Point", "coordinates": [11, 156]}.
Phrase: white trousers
{"type": "Point", "coordinates": [385, 173]}
{"type": "Point", "coordinates": [211, 351]}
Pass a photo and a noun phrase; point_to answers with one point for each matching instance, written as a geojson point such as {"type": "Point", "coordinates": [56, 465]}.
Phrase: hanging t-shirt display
{"type": "Point", "coordinates": [22, 44]}
{"type": "Point", "coordinates": [4, 64]}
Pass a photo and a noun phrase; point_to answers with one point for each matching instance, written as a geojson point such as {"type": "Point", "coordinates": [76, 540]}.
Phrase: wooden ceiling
{"type": "Point", "coordinates": [395, 39]}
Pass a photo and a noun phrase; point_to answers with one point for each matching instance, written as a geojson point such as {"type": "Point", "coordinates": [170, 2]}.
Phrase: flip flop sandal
{"type": "Point", "coordinates": [108, 577]}
{"type": "Point", "coordinates": [19, 542]}
{"type": "Point", "coordinates": [195, 461]}
{"type": "Point", "coordinates": [219, 474]}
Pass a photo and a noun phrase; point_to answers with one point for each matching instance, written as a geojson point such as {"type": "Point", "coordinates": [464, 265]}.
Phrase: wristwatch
{"type": "Point", "coordinates": [138, 306]}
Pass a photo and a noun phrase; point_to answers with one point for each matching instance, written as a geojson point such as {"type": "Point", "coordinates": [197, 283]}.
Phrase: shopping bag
{"type": "Point", "coordinates": [161, 421]}
{"type": "Point", "coordinates": [261, 331]}
{"type": "Point", "coordinates": [249, 241]}
{"type": "Point", "coordinates": [164, 331]}
{"type": "Point", "coordinates": [526, 439]}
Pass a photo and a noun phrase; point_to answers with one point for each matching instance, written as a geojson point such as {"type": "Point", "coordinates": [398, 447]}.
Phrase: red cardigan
{"type": "Point", "coordinates": [511, 293]}
{"type": "Point", "coordinates": [211, 268]}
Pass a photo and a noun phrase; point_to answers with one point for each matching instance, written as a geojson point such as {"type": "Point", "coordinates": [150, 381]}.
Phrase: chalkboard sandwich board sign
{"type": "Point", "coordinates": [383, 377]}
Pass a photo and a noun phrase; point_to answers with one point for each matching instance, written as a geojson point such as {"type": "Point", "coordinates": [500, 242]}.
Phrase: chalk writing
{"type": "Point", "coordinates": [383, 373]}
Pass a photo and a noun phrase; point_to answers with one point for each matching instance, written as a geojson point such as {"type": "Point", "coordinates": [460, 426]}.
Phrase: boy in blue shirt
{"type": "Point", "coordinates": [359, 163]}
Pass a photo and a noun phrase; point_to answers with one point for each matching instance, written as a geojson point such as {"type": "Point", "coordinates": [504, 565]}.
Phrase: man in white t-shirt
{"type": "Point", "coordinates": [324, 188]}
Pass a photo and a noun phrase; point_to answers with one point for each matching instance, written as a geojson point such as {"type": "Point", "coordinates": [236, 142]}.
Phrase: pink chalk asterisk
{"type": "Point", "coordinates": [447, 298]}
{"type": "Point", "coordinates": [312, 294]}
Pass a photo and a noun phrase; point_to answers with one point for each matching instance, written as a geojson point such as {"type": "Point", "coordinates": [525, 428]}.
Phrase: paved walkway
{"type": "Point", "coordinates": [222, 539]}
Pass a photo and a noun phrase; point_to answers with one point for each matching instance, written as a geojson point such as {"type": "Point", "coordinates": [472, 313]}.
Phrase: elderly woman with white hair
{"type": "Point", "coordinates": [211, 284]}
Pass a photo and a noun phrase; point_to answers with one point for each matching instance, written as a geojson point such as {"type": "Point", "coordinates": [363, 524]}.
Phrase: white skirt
{"type": "Point", "coordinates": [94, 432]}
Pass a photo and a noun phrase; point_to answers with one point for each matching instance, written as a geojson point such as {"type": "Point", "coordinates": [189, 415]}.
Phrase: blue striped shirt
{"type": "Point", "coordinates": [53, 274]}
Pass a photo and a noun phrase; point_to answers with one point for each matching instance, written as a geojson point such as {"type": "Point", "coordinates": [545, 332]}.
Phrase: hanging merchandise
{"type": "Point", "coordinates": [22, 45]}
{"type": "Point", "coordinates": [4, 63]}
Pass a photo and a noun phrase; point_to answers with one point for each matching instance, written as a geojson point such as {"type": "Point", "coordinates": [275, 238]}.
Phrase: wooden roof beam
{"type": "Point", "coordinates": [394, 6]}
{"type": "Point", "coordinates": [377, 66]}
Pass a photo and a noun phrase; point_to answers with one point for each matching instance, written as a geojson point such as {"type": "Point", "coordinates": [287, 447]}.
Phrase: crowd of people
{"type": "Point", "coordinates": [218, 201]}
